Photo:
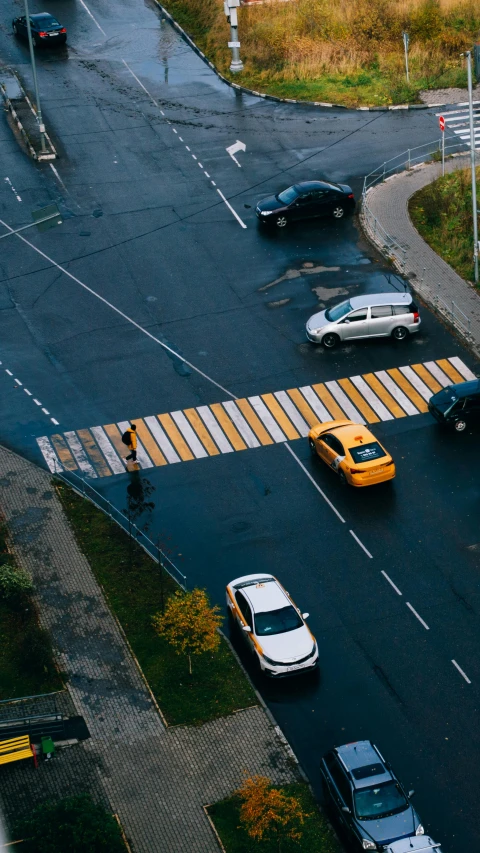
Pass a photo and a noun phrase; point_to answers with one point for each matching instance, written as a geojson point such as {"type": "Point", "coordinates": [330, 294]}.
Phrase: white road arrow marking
{"type": "Point", "coordinates": [232, 150]}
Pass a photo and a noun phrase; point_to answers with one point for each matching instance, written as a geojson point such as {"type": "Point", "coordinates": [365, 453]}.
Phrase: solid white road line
{"type": "Point", "coordinates": [108, 450]}
{"type": "Point", "coordinates": [210, 422]}
{"type": "Point", "coordinates": [316, 404]}
{"type": "Point", "coordinates": [167, 449]}
{"type": "Point", "coordinates": [416, 614]}
{"type": "Point", "coordinates": [230, 207]}
{"type": "Point", "coordinates": [79, 454]}
{"type": "Point", "coordinates": [141, 84]}
{"type": "Point", "coordinates": [362, 546]}
{"type": "Point", "coordinates": [117, 311]}
{"type": "Point", "coordinates": [461, 367]}
{"type": "Point", "coordinates": [268, 421]}
{"type": "Point", "coordinates": [58, 176]}
{"type": "Point", "coordinates": [344, 402]}
{"type": "Point", "coordinates": [396, 392]}
{"type": "Point", "coordinates": [143, 458]}
{"type": "Point", "coordinates": [461, 671]}
{"type": "Point", "coordinates": [391, 583]}
{"type": "Point", "coordinates": [189, 435]}
{"type": "Point", "coordinates": [371, 398]}
{"type": "Point", "coordinates": [241, 424]}
{"type": "Point", "coordinates": [316, 486]}
{"type": "Point", "coordinates": [93, 18]}
{"type": "Point", "coordinates": [292, 413]}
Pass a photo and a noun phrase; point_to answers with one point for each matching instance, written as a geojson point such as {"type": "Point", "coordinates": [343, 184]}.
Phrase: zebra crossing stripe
{"type": "Point", "coordinates": [220, 428]}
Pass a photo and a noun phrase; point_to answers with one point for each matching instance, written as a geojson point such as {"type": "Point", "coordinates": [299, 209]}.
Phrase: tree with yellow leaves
{"type": "Point", "coordinates": [190, 624]}
{"type": "Point", "coordinates": [270, 814]}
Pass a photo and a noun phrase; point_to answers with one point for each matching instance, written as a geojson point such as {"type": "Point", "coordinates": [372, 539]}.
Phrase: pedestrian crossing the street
{"type": "Point", "coordinates": [251, 422]}
{"type": "Point", "coordinates": [458, 121]}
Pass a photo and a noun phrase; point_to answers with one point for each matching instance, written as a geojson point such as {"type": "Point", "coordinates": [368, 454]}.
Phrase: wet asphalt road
{"type": "Point", "coordinates": [147, 230]}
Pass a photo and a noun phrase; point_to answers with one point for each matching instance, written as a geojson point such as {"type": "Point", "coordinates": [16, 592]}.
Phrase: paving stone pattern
{"type": "Point", "coordinates": [434, 278]}
{"type": "Point", "coordinates": [156, 779]}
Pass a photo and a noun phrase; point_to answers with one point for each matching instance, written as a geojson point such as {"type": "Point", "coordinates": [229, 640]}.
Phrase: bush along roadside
{"type": "Point", "coordinates": [344, 53]}
{"type": "Point", "coordinates": [27, 665]}
{"type": "Point", "coordinates": [264, 818]}
{"type": "Point", "coordinates": [143, 597]}
{"type": "Point", "coordinates": [442, 214]}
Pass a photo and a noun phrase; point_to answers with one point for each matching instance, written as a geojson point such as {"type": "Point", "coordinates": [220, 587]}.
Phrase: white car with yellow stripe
{"type": "Point", "coordinates": [272, 625]}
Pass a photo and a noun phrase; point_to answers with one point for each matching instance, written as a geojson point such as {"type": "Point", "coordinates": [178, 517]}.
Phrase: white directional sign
{"type": "Point", "coordinates": [458, 121]}
{"type": "Point", "coordinates": [233, 149]}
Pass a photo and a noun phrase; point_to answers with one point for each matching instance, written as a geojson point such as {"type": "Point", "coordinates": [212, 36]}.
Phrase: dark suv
{"type": "Point", "coordinates": [367, 797]}
{"type": "Point", "coordinates": [457, 405]}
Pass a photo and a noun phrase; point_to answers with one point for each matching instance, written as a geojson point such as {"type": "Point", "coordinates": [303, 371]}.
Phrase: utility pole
{"type": "Point", "coordinates": [41, 125]}
{"type": "Point", "coordinates": [230, 9]}
{"type": "Point", "coordinates": [406, 40]}
{"type": "Point", "coordinates": [468, 57]}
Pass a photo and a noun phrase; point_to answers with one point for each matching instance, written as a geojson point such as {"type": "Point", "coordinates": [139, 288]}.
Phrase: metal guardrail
{"type": "Point", "coordinates": [81, 487]}
{"type": "Point", "coordinates": [412, 157]}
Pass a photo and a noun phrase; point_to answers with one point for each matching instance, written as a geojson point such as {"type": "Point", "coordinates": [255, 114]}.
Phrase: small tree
{"type": "Point", "coordinates": [268, 813]}
{"type": "Point", "coordinates": [189, 624]}
{"type": "Point", "coordinates": [14, 582]}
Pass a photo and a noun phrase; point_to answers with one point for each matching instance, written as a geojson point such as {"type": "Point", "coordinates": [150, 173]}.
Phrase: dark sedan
{"type": "Point", "coordinates": [45, 28]}
{"type": "Point", "coordinates": [307, 200]}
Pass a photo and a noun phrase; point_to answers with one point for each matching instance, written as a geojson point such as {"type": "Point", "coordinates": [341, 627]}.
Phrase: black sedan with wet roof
{"type": "Point", "coordinates": [44, 27]}
{"type": "Point", "coordinates": [306, 200]}
{"type": "Point", "coordinates": [457, 405]}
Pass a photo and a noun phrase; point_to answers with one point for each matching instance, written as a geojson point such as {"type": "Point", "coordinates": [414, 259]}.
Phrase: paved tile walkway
{"type": "Point", "coordinates": [434, 279]}
{"type": "Point", "coordinates": [156, 779]}
{"type": "Point", "coordinates": [253, 422]}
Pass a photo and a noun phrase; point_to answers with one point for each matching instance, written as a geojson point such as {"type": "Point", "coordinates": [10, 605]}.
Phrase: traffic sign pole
{"type": "Point", "coordinates": [441, 122]}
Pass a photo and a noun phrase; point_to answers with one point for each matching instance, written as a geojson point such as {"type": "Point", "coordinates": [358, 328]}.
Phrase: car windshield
{"type": "Point", "coordinates": [385, 800]}
{"type": "Point", "coordinates": [277, 621]}
{"type": "Point", "coordinates": [338, 311]}
{"type": "Point", "coordinates": [366, 452]}
{"type": "Point", "coordinates": [287, 196]}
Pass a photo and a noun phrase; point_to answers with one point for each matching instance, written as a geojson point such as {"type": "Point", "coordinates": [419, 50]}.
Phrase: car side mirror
{"type": "Point", "coordinates": [411, 793]}
{"type": "Point", "coordinates": [247, 629]}
{"type": "Point", "coordinates": [305, 615]}
{"type": "Point", "coordinates": [345, 809]}
{"type": "Point", "coordinates": [346, 321]}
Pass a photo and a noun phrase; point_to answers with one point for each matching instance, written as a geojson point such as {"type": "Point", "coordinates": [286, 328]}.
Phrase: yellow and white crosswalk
{"type": "Point", "coordinates": [252, 422]}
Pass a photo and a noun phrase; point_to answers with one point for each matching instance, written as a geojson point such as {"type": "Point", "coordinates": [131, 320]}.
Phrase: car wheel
{"type": "Point", "coordinates": [400, 333]}
{"type": "Point", "coordinates": [312, 447]}
{"type": "Point", "coordinates": [342, 478]}
{"type": "Point", "coordinates": [281, 221]}
{"type": "Point", "coordinates": [338, 212]}
{"type": "Point", "coordinates": [330, 341]}
{"type": "Point", "coordinates": [460, 425]}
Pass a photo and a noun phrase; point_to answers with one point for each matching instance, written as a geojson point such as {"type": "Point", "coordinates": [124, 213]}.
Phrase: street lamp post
{"type": "Point", "coordinates": [230, 8]}
{"type": "Point", "coordinates": [41, 125]}
{"type": "Point", "coordinates": [406, 40]}
{"type": "Point", "coordinates": [468, 57]}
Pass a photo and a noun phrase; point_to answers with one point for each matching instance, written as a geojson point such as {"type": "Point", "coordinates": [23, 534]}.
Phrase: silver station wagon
{"type": "Point", "coordinates": [376, 315]}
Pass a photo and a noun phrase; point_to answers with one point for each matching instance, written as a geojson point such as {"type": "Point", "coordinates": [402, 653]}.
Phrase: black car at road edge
{"type": "Point", "coordinates": [45, 28]}
{"type": "Point", "coordinates": [306, 200]}
{"type": "Point", "coordinates": [457, 405]}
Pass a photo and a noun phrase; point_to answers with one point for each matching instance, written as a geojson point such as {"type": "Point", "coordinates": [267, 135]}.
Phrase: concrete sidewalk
{"type": "Point", "coordinates": [386, 205]}
{"type": "Point", "coordinates": [156, 779]}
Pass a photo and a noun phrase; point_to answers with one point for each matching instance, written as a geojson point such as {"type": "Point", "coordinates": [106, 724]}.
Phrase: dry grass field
{"type": "Point", "coordinates": [342, 51]}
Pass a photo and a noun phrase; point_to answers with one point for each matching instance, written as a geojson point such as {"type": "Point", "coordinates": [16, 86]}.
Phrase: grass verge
{"type": "Point", "coordinates": [338, 52]}
{"type": "Point", "coordinates": [317, 834]}
{"type": "Point", "coordinates": [136, 588]}
{"type": "Point", "coordinates": [442, 214]}
{"type": "Point", "coordinates": [26, 659]}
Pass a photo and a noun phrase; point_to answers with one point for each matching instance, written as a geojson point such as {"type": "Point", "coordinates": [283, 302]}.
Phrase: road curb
{"type": "Point", "coordinates": [279, 100]}
{"type": "Point", "coordinates": [51, 153]}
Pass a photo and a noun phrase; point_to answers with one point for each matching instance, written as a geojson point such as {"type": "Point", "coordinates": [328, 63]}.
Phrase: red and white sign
{"type": "Point", "coordinates": [441, 122]}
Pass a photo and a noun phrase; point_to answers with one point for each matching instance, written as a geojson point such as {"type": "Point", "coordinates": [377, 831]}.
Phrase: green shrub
{"type": "Point", "coordinates": [73, 825]}
{"type": "Point", "coordinates": [14, 582]}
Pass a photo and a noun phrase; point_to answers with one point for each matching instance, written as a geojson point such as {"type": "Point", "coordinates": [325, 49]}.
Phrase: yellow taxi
{"type": "Point", "coordinates": [353, 452]}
